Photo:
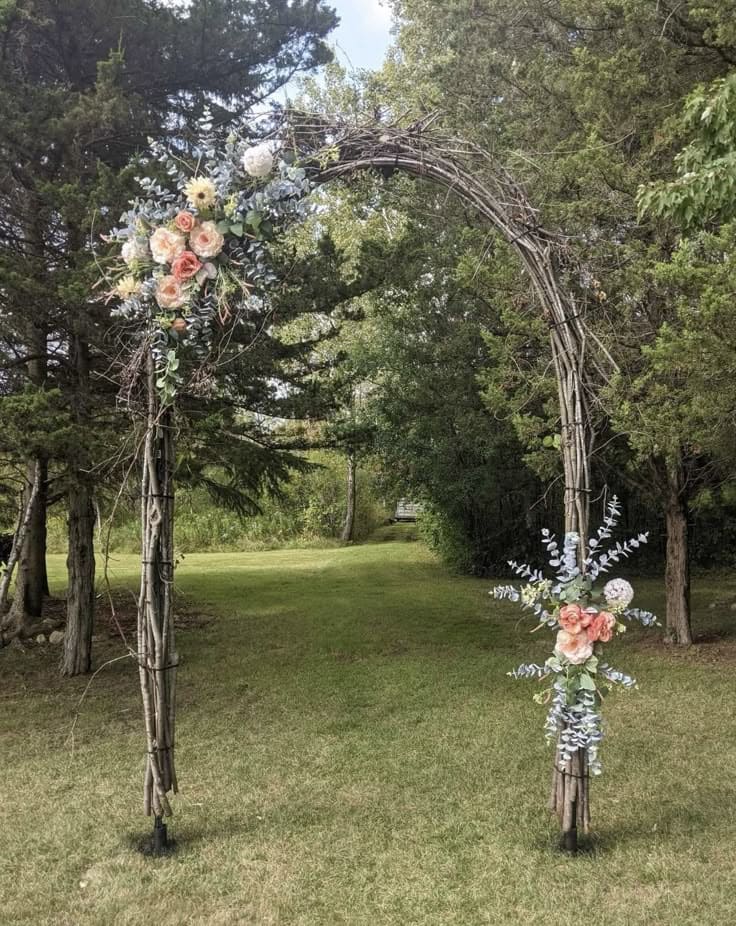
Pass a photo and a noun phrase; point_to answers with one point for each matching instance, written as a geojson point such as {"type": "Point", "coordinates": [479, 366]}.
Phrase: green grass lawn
{"type": "Point", "coordinates": [350, 750]}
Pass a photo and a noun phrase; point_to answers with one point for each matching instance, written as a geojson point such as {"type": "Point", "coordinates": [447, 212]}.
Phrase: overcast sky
{"type": "Point", "coordinates": [362, 37]}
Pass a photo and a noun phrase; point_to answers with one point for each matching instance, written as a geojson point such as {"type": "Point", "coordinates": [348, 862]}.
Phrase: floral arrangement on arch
{"type": "Point", "coordinates": [194, 253]}
{"type": "Point", "coordinates": [585, 618]}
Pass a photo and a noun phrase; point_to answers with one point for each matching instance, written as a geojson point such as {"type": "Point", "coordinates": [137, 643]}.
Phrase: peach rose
{"type": "Point", "coordinates": [166, 245]}
{"type": "Point", "coordinates": [575, 647]}
{"type": "Point", "coordinates": [186, 265]}
{"type": "Point", "coordinates": [601, 627]}
{"type": "Point", "coordinates": [205, 240]}
{"type": "Point", "coordinates": [185, 221]}
{"type": "Point", "coordinates": [573, 619]}
{"type": "Point", "coordinates": [169, 293]}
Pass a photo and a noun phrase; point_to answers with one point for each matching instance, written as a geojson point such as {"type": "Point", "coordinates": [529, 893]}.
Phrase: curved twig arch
{"type": "Point", "coordinates": [334, 150]}
{"type": "Point", "coordinates": [344, 150]}
{"type": "Point", "coordinates": [347, 149]}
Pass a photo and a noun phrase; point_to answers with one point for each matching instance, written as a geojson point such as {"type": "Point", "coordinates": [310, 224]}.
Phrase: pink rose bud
{"type": "Point", "coordinates": [185, 221]}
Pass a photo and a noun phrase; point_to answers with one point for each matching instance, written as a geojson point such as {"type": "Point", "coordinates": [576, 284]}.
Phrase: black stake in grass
{"type": "Point", "coordinates": [160, 844]}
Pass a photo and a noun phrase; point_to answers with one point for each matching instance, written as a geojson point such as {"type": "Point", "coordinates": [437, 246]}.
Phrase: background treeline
{"type": "Point", "coordinates": [309, 510]}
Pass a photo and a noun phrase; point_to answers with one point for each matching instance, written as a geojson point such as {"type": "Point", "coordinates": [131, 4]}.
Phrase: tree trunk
{"type": "Point", "coordinates": [31, 584]}
{"type": "Point", "coordinates": [80, 598]}
{"type": "Point", "coordinates": [26, 513]}
{"type": "Point", "coordinates": [677, 572]}
{"type": "Point", "coordinates": [348, 531]}
{"type": "Point", "coordinates": [37, 574]}
{"type": "Point", "coordinates": [157, 656]}
{"type": "Point", "coordinates": [80, 601]}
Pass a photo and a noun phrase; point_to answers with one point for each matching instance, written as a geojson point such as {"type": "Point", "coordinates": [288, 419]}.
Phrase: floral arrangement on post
{"type": "Point", "coordinates": [193, 259]}
{"type": "Point", "coordinates": [585, 618]}
{"type": "Point", "coordinates": [197, 255]}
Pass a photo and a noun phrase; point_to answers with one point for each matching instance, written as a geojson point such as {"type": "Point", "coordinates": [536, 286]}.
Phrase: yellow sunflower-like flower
{"type": "Point", "coordinates": [127, 286]}
{"type": "Point", "coordinates": [201, 192]}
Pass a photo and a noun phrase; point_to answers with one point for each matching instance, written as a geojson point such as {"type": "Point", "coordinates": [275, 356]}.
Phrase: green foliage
{"type": "Point", "coordinates": [705, 189]}
{"type": "Point", "coordinates": [37, 421]}
{"type": "Point", "coordinates": [577, 98]}
{"type": "Point", "coordinates": [84, 86]}
{"type": "Point", "coordinates": [308, 510]}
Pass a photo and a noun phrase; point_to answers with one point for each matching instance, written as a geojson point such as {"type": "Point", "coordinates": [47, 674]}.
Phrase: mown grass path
{"type": "Point", "coordinates": [351, 751]}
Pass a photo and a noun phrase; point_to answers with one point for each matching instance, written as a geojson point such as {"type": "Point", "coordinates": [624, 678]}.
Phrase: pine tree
{"type": "Point", "coordinates": [83, 85]}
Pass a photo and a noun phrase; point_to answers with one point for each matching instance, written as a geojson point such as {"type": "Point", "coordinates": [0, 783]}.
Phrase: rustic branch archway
{"type": "Point", "coordinates": [157, 234]}
{"type": "Point", "coordinates": [477, 178]}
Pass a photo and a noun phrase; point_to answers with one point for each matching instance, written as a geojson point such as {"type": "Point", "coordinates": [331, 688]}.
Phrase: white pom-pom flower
{"type": "Point", "coordinates": [618, 593]}
{"type": "Point", "coordinates": [135, 249]}
{"type": "Point", "coordinates": [258, 161]}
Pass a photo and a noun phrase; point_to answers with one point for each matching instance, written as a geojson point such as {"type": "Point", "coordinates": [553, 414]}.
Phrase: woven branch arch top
{"type": "Point", "coordinates": [478, 179]}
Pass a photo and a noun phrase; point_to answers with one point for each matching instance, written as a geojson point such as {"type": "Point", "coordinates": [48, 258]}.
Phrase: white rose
{"type": "Point", "coordinates": [135, 249]}
{"type": "Point", "coordinates": [166, 245]}
{"type": "Point", "coordinates": [205, 240]}
{"type": "Point", "coordinates": [258, 161]}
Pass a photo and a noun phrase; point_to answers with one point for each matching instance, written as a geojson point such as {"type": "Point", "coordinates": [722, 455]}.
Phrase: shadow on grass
{"type": "Point", "coordinates": [185, 835]}
{"type": "Point", "coordinates": [670, 825]}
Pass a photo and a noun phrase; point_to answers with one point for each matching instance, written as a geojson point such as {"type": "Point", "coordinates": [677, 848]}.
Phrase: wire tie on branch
{"type": "Point", "coordinates": [566, 320]}
{"type": "Point", "coordinates": [525, 234]}
{"type": "Point", "coordinates": [171, 665]}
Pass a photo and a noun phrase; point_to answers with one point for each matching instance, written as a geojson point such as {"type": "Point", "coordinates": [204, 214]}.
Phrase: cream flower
{"type": "Point", "coordinates": [205, 240]}
{"type": "Point", "coordinates": [201, 192]}
{"type": "Point", "coordinates": [127, 286]}
{"type": "Point", "coordinates": [135, 249]}
{"type": "Point", "coordinates": [170, 294]}
{"type": "Point", "coordinates": [258, 161]}
{"type": "Point", "coordinates": [575, 647]}
{"type": "Point", "coordinates": [166, 245]}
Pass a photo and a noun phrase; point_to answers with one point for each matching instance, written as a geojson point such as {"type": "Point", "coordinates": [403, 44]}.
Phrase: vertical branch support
{"type": "Point", "coordinates": [157, 656]}
{"type": "Point", "coordinates": [570, 796]}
